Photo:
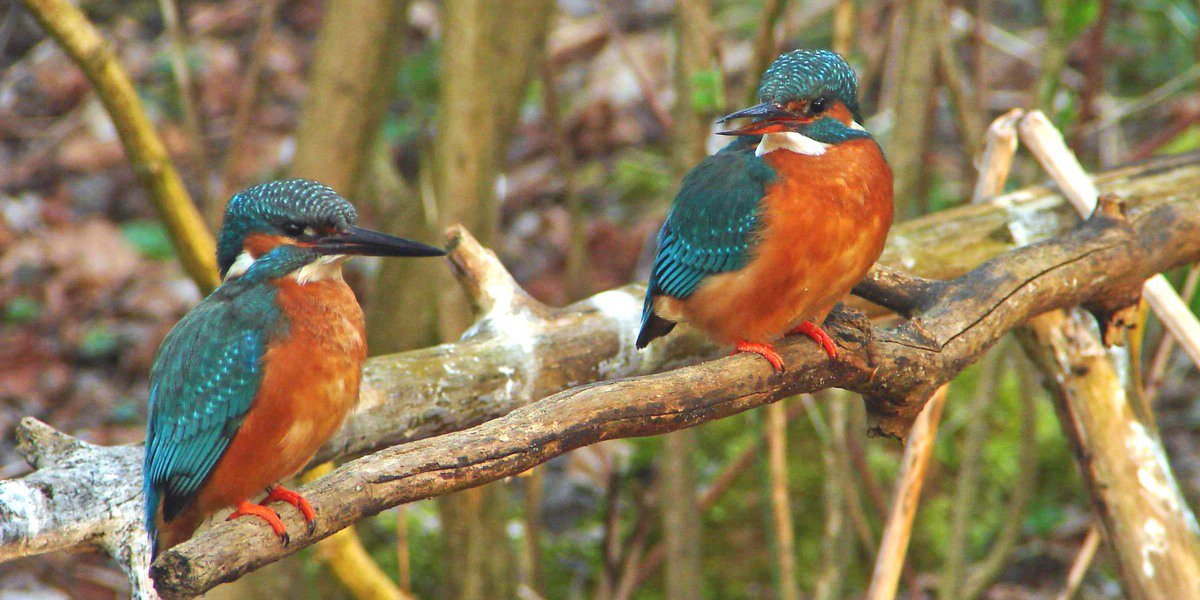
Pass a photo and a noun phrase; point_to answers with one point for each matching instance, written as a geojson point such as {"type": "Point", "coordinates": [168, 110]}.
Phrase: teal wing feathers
{"type": "Point", "coordinates": [203, 383]}
{"type": "Point", "coordinates": [711, 229]}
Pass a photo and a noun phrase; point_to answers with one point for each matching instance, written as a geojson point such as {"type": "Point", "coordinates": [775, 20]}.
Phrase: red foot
{"type": "Point", "coordinates": [247, 509]}
{"type": "Point", "coordinates": [766, 351]}
{"type": "Point", "coordinates": [282, 494]}
{"type": "Point", "coordinates": [819, 336]}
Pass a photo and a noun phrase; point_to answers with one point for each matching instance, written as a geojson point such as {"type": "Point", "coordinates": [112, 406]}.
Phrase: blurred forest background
{"type": "Point", "coordinates": [557, 132]}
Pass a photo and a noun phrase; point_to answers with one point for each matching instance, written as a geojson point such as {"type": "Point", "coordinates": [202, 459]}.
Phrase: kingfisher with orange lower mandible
{"type": "Point", "coordinates": [252, 381]}
{"type": "Point", "coordinates": [767, 235]}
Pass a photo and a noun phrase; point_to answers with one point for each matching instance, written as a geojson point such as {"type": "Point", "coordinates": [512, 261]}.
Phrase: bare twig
{"type": "Point", "coordinates": [843, 27]}
{"type": "Point", "coordinates": [645, 82]}
{"type": "Point", "coordinates": [996, 160]}
{"type": "Point", "coordinates": [1083, 560]}
{"type": "Point", "coordinates": [781, 506]}
{"type": "Point", "coordinates": [247, 101]}
{"type": "Point", "coordinates": [838, 498]}
{"type": "Point", "coordinates": [917, 450]}
{"type": "Point", "coordinates": [987, 569]}
{"type": "Point", "coordinates": [765, 46]}
{"type": "Point", "coordinates": [1162, 353]}
{"type": "Point", "coordinates": [966, 486]}
{"type": "Point", "coordinates": [145, 150]}
{"type": "Point", "coordinates": [963, 97]}
{"type": "Point", "coordinates": [577, 275]}
{"type": "Point", "coordinates": [187, 97]}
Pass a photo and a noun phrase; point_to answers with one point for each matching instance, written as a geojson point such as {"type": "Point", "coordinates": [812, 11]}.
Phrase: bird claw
{"type": "Point", "coordinates": [819, 336]}
{"type": "Point", "coordinates": [271, 517]}
{"type": "Point", "coordinates": [282, 494]}
{"type": "Point", "coordinates": [766, 351]}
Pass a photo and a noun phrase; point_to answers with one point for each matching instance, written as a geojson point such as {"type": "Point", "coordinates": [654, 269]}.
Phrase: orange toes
{"type": "Point", "coordinates": [282, 494]}
{"type": "Point", "coordinates": [819, 336]}
{"type": "Point", "coordinates": [766, 351]}
{"type": "Point", "coordinates": [247, 509]}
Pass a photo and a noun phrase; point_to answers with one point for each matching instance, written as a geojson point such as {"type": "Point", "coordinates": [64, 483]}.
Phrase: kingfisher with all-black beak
{"type": "Point", "coordinates": [255, 378]}
{"type": "Point", "coordinates": [767, 235]}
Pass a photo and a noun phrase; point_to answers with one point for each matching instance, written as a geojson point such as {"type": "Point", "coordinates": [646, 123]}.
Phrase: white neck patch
{"type": "Point", "coordinates": [790, 140]}
{"type": "Point", "coordinates": [239, 266]}
{"type": "Point", "coordinates": [322, 269]}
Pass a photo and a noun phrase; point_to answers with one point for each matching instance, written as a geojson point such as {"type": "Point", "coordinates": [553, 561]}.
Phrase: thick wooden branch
{"type": "Point", "coordinates": [515, 356]}
{"type": "Point", "coordinates": [896, 369]}
{"type": "Point", "coordinates": [1151, 531]}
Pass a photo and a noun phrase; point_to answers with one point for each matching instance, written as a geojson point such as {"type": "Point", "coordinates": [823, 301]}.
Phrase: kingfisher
{"type": "Point", "coordinates": [767, 235]}
{"type": "Point", "coordinates": [260, 373]}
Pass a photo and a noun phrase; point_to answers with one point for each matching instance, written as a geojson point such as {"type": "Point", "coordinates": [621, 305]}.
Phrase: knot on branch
{"type": "Point", "coordinates": [494, 294]}
{"type": "Point", "coordinates": [1116, 309]}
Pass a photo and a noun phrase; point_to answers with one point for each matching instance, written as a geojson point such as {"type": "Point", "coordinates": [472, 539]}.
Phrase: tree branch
{"type": "Point", "coordinates": [896, 369]}
{"type": "Point", "coordinates": [512, 358]}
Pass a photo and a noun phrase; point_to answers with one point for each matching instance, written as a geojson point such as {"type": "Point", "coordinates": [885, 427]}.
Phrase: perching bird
{"type": "Point", "coordinates": [767, 235]}
{"type": "Point", "coordinates": [255, 378]}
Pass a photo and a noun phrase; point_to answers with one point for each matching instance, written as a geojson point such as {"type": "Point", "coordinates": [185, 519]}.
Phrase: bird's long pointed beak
{"type": "Point", "coordinates": [365, 242]}
{"type": "Point", "coordinates": [768, 117]}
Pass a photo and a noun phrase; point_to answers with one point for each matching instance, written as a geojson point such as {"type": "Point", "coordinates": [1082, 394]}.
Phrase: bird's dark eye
{"type": "Point", "coordinates": [819, 105]}
{"type": "Point", "coordinates": [292, 229]}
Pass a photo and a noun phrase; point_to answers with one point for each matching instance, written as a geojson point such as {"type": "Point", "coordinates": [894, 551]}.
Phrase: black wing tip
{"type": "Point", "coordinates": [653, 327]}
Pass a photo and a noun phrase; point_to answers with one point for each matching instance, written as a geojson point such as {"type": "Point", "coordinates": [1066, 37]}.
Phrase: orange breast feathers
{"type": "Point", "coordinates": [824, 223]}
{"type": "Point", "coordinates": [310, 382]}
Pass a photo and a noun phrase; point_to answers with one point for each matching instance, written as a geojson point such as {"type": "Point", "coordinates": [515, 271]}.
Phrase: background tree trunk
{"type": "Point", "coordinates": [357, 49]}
{"type": "Point", "coordinates": [695, 57]}
{"type": "Point", "coordinates": [489, 51]}
{"type": "Point", "coordinates": [906, 142]}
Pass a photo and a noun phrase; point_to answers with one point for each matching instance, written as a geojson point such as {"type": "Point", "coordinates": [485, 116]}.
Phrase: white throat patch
{"type": "Point", "coordinates": [790, 140]}
{"type": "Point", "coordinates": [322, 269]}
{"type": "Point", "coordinates": [326, 267]}
{"type": "Point", "coordinates": [239, 266]}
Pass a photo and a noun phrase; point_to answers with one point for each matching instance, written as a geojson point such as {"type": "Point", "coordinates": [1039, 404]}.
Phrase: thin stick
{"type": "Point", "coordinates": [894, 546]}
{"type": "Point", "coordinates": [967, 484]}
{"type": "Point", "coordinates": [843, 27]}
{"type": "Point", "coordinates": [715, 490]}
{"type": "Point", "coordinates": [147, 155]}
{"type": "Point", "coordinates": [534, 480]}
{"type": "Point", "coordinates": [964, 98]}
{"type": "Point", "coordinates": [1048, 146]}
{"type": "Point", "coordinates": [765, 46]}
{"type": "Point", "coordinates": [577, 258]}
{"type": "Point", "coordinates": [183, 81]}
{"type": "Point", "coordinates": [246, 102]}
{"type": "Point", "coordinates": [350, 562]}
{"type": "Point", "coordinates": [996, 160]}
{"type": "Point", "coordinates": [986, 570]}
{"type": "Point", "coordinates": [645, 82]}
{"type": "Point", "coordinates": [1083, 560]}
{"type": "Point", "coordinates": [1162, 354]}
{"type": "Point", "coordinates": [781, 509]}
{"type": "Point", "coordinates": [403, 551]}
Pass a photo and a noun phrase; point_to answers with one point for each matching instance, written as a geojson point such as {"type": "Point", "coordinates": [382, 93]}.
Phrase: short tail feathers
{"type": "Point", "coordinates": [653, 326]}
{"type": "Point", "coordinates": [165, 535]}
